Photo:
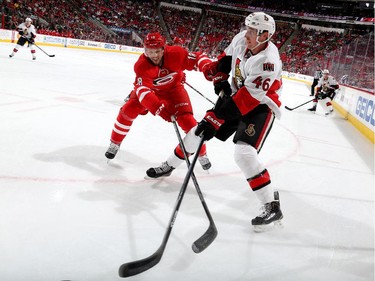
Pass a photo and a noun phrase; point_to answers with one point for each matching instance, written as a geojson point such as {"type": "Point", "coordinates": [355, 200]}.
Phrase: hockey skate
{"type": "Point", "coordinates": [329, 112]}
{"type": "Point", "coordinates": [162, 171]}
{"type": "Point", "coordinates": [112, 150]}
{"type": "Point", "coordinates": [313, 109]}
{"type": "Point", "coordinates": [205, 162]}
{"type": "Point", "coordinates": [270, 217]}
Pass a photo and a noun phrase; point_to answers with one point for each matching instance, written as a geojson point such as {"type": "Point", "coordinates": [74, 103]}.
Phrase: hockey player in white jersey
{"type": "Point", "coordinates": [27, 33]}
{"type": "Point", "coordinates": [247, 110]}
{"type": "Point", "coordinates": [325, 92]}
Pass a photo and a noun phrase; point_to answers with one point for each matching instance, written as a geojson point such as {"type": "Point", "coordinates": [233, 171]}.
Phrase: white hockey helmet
{"type": "Point", "coordinates": [325, 71]}
{"type": "Point", "coordinates": [262, 22]}
{"type": "Point", "coordinates": [28, 20]}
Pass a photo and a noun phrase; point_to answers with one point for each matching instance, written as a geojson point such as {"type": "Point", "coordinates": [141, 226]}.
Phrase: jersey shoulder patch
{"type": "Point", "coordinates": [268, 66]}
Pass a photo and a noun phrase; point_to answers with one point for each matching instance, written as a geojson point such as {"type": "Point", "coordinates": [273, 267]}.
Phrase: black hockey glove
{"type": "Point", "coordinates": [31, 40]}
{"type": "Point", "coordinates": [322, 95]}
{"type": "Point", "coordinates": [221, 84]}
{"type": "Point", "coordinates": [209, 125]}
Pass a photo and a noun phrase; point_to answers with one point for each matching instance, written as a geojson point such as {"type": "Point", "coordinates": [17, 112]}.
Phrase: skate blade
{"type": "Point", "coordinates": [267, 227]}
{"type": "Point", "coordinates": [146, 177]}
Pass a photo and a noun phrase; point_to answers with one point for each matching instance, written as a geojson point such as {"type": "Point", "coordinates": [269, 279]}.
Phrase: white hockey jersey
{"type": "Point", "coordinates": [325, 84]}
{"type": "Point", "coordinates": [260, 74]}
{"type": "Point", "coordinates": [28, 32]}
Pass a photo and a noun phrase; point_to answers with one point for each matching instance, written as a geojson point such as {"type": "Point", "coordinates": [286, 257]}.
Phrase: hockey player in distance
{"type": "Point", "coordinates": [247, 109]}
{"type": "Point", "coordinates": [325, 91]}
{"type": "Point", "coordinates": [159, 89]}
{"type": "Point", "coordinates": [27, 32]}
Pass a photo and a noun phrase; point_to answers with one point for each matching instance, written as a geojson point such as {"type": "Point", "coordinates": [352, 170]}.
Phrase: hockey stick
{"type": "Point", "coordinates": [209, 236]}
{"type": "Point", "coordinates": [299, 105]}
{"type": "Point", "coordinates": [199, 92]}
{"type": "Point", "coordinates": [139, 266]}
{"type": "Point", "coordinates": [51, 56]}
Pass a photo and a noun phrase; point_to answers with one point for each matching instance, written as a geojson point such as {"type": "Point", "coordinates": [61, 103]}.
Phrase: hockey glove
{"type": "Point", "coordinates": [31, 40]}
{"type": "Point", "coordinates": [221, 84]}
{"type": "Point", "coordinates": [321, 96]}
{"type": "Point", "coordinates": [209, 125]}
{"type": "Point", "coordinates": [163, 113]}
{"type": "Point", "coordinates": [210, 70]}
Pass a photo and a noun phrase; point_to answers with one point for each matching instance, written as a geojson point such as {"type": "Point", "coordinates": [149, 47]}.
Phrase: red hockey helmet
{"type": "Point", "coordinates": [154, 41]}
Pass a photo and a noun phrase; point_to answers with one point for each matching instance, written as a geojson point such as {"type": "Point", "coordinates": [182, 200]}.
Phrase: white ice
{"type": "Point", "coordinates": [65, 214]}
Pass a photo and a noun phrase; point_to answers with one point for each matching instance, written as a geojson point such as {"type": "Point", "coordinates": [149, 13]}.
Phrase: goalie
{"type": "Point", "coordinates": [325, 91]}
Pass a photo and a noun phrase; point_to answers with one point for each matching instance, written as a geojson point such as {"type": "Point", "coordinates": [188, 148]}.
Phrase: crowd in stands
{"type": "Point", "coordinates": [127, 22]}
{"type": "Point", "coordinates": [309, 45]}
{"type": "Point", "coordinates": [181, 24]}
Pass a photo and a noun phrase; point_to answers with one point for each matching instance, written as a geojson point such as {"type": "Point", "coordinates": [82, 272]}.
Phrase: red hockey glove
{"type": "Point", "coordinates": [210, 70]}
{"type": "Point", "coordinates": [163, 113]}
{"type": "Point", "coordinates": [209, 125]}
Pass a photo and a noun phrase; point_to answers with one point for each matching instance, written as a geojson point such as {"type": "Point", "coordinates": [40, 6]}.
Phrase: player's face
{"type": "Point", "coordinates": [27, 23]}
{"type": "Point", "coordinates": [251, 37]}
{"type": "Point", "coordinates": [155, 55]}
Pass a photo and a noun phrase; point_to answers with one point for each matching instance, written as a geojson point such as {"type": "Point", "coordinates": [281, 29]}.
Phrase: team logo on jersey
{"type": "Point", "coordinates": [250, 131]}
{"type": "Point", "coordinates": [268, 66]}
{"type": "Point", "coordinates": [139, 81]}
{"type": "Point", "coordinates": [237, 74]}
{"type": "Point", "coordinates": [165, 80]}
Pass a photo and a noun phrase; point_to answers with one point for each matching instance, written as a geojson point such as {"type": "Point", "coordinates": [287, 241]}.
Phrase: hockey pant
{"type": "Point", "coordinates": [133, 108]}
{"type": "Point", "coordinates": [21, 41]}
{"type": "Point", "coordinates": [251, 132]}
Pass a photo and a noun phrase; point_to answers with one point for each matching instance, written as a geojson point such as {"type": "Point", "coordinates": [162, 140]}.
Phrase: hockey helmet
{"type": "Point", "coordinates": [28, 20]}
{"type": "Point", "coordinates": [154, 41]}
{"type": "Point", "coordinates": [262, 22]}
{"type": "Point", "coordinates": [325, 71]}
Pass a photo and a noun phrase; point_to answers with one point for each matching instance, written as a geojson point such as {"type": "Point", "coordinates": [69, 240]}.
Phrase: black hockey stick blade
{"type": "Point", "coordinates": [293, 108]}
{"type": "Point", "coordinates": [205, 240]}
{"type": "Point", "coordinates": [139, 266]}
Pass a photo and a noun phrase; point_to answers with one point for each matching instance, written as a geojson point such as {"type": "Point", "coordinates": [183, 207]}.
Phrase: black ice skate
{"type": "Point", "coordinates": [112, 150]}
{"type": "Point", "coordinates": [270, 217]}
{"type": "Point", "coordinates": [313, 109]}
{"type": "Point", "coordinates": [162, 171]}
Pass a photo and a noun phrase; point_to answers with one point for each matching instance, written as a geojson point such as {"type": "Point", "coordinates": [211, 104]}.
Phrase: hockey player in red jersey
{"type": "Point", "coordinates": [247, 109]}
{"type": "Point", "coordinates": [27, 32]}
{"type": "Point", "coordinates": [159, 89]}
